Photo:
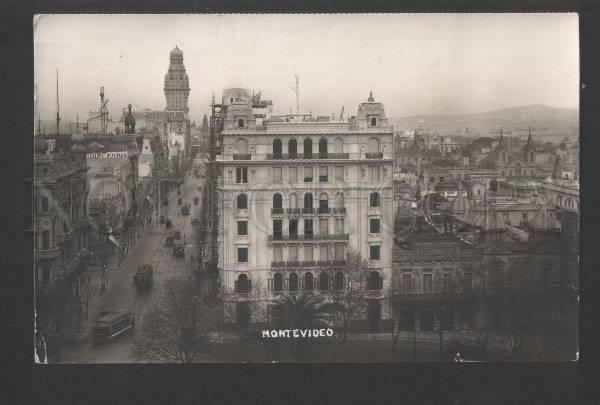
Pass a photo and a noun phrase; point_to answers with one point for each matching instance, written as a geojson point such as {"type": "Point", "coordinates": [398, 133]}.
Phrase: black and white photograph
{"type": "Point", "coordinates": [306, 188]}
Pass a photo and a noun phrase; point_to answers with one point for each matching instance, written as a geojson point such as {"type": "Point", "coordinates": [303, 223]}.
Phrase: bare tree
{"type": "Point", "coordinates": [348, 283]}
{"type": "Point", "coordinates": [177, 329]}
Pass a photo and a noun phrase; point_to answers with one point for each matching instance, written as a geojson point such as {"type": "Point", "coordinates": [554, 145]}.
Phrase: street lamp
{"type": "Point", "coordinates": [441, 331]}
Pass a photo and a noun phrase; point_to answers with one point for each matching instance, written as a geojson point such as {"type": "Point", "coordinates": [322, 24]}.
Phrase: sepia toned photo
{"type": "Point", "coordinates": [311, 188]}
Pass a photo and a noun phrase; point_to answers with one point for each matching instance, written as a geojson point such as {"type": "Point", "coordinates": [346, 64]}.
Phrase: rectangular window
{"type": "Point", "coordinates": [340, 250]}
{"type": "Point", "coordinates": [374, 252]}
{"type": "Point", "coordinates": [308, 227]}
{"type": "Point", "coordinates": [293, 174]}
{"type": "Point", "coordinates": [308, 253]}
{"type": "Point", "coordinates": [45, 240]}
{"type": "Point", "coordinates": [293, 253]}
{"type": "Point", "coordinates": [339, 173]}
{"type": "Point", "coordinates": [323, 178]}
{"type": "Point", "coordinates": [241, 175]}
{"type": "Point", "coordinates": [44, 206]}
{"type": "Point", "coordinates": [468, 281]}
{"type": "Point", "coordinates": [243, 255]}
{"type": "Point", "coordinates": [374, 173]}
{"type": "Point", "coordinates": [447, 281]}
{"type": "Point", "coordinates": [308, 174]}
{"type": "Point", "coordinates": [277, 174]}
{"type": "Point", "coordinates": [431, 180]}
{"type": "Point", "coordinates": [427, 282]}
{"type": "Point", "coordinates": [407, 284]}
{"type": "Point", "coordinates": [339, 225]}
{"type": "Point", "coordinates": [323, 226]}
{"type": "Point", "coordinates": [242, 228]}
{"type": "Point", "coordinates": [293, 228]}
{"type": "Point", "coordinates": [277, 229]}
{"type": "Point", "coordinates": [447, 318]}
{"type": "Point", "coordinates": [324, 252]}
{"type": "Point", "coordinates": [277, 254]}
{"type": "Point", "coordinates": [374, 226]}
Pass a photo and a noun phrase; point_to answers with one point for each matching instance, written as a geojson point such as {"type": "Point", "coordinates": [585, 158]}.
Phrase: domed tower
{"type": "Point", "coordinates": [129, 122]}
{"type": "Point", "coordinates": [529, 150]}
{"type": "Point", "coordinates": [177, 83]}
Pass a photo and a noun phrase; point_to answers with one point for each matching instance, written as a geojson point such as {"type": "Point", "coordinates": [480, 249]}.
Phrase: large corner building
{"type": "Point", "coordinates": [295, 196]}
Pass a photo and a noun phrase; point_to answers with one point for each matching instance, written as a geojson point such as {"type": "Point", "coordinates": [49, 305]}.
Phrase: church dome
{"type": "Point", "coordinates": [129, 120]}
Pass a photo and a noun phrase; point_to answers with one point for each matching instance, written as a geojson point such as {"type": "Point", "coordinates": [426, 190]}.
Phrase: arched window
{"type": "Point", "coordinates": [323, 148]}
{"type": "Point", "coordinates": [339, 281]}
{"type": "Point", "coordinates": [308, 281]}
{"type": "Point", "coordinates": [373, 145]}
{"type": "Point", "coordinates": [240, 146]}
{"type": "Point", "coordinates": [374, 282]}
{"type": "Point", "coordinates": [374, 200]}
{"type": "Point", "coordinates": [293, 203]}
{"type": "Point", "coordinates": [308, 200]}
{"type": "Point", "coordinates": [324, 282]}
{"type": "Point", "coordinates": [278, 282]}
{"type": "Point", "coordinates": [242, 202]}
{"type": "Point", "coordinates": [293, 149]}
{"type": "Point", "coordinates": [531, 157]}
{"type": "Point", "coordinates": [240, 123]}
{"type": "Point", "coordinates": [338, 145]}
{"type": "Point", "coordinates": [308, 148]}
{"type": "Point", "coordinates": [277, 149]}
{"type": "Point", "coordinates": [277, 201]}
{"type": "Point", "coordinates": [293, 282]}
{"type": "Point", "coordinates": [373, 121]}
{"type": "Point", "coordinates": [243, 284]}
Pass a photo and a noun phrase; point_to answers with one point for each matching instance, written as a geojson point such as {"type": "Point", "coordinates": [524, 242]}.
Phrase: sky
{"type": "Point", "coordinates": [414, 63]}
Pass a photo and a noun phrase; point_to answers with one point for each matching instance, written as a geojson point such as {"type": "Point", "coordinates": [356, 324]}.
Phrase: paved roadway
{"type": "Point", "coordinates": [121, 292]}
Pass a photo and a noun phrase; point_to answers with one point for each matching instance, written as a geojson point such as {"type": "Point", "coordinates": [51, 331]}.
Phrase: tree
{"type": "Point", "coordinates": [57, 309]}
{"type": "Point", "coordinates": [349, 297]}
{"type": "Point", "coordinates": [177, 330]}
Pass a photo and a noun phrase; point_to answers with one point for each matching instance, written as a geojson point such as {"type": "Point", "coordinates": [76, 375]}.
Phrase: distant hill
{"type": "Point", "coordinates": [545, 122]}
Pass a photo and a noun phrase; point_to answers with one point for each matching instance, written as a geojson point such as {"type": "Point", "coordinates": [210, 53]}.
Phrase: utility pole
{"type": "Point", "coordinates": [39, 125]}
{"type": "Point", "coordinates": [57, 107]}
{"type": "Point", "coordinates": [297, 91]}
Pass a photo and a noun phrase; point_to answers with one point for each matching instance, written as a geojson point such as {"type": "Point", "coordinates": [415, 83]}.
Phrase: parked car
{"type": "Point", "coordinates": [178, 248]}
{"type": "Point", "coordinates": [143, 278]}
{"type": "Point", "coordinates": [195, 220]}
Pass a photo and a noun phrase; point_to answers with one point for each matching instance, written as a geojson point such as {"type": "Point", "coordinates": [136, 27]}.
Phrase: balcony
{"type": "Point", "coordinates": [323, 179]}
{"type": "Point", "coordinates": [242, 156]}
{"type": "Point", "coordinates": [293, 211]}
{"type": "Point", "coordinates": [338, 211]}
{"type": "Point", "coordinates": [277, 211]}
{"type": "Point", "coordinates": [374, 155]}
{"type": "Point", "coordinates": [307, 156]}
{"type": "Point", "coordinates": [278, 264]}
{"type": "Point", "coordinates": [276, 237]}
{"type": "Point", "coordinates": [294, 264]}
{"type": "Point", "coordinates": [323, 210]}
{"type": "Point", "coordinates": [308, 210]}
{"type": "Point", "coordinates": [47, 253]}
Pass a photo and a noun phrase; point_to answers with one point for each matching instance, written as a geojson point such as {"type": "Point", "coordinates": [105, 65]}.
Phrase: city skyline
{"type": "Point", "coordinates": [466, 63]}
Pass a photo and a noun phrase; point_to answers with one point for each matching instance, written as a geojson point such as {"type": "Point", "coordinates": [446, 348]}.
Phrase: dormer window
{"type": "Point", "coordinates": [373, 121]}
{"type": "Point", "coordinates": [240, 123]}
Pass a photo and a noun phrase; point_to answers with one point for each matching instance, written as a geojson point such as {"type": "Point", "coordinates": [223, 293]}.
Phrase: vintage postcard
{"type": "Point", "coordinates": [306, 188]}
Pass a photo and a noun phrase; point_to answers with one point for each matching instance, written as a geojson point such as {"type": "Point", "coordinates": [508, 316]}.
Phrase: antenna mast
{"type": "Point", "coordinates": [39, 124]}
{"type": "Point", "coordinates": [57, 106]}
{"type": "Point", "coordinates": [297, 91]}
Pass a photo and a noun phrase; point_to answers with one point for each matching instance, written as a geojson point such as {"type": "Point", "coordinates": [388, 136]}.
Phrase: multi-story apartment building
{"type": "Point", "coordinates": [294, 197]}
{"type": "Point", "coordinates": [61, 227]}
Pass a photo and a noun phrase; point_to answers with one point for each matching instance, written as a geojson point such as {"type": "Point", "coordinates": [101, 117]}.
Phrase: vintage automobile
{"type": "Point", "coordinates": [178, 248]}
{"type": "Point", "coordinates": [174, 236]}
{"type": "Point", "coordinates": [143, 278]}
{"type": "Point", "coordinates": [195, 220]}
{"type": "Point", "coordinates": [112, 324]}
{"type": "Point", "coordinates": [169, 224]}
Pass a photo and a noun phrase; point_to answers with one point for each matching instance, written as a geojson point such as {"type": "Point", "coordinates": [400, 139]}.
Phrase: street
{"type": "Point", "coordinates": [121, 292]}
